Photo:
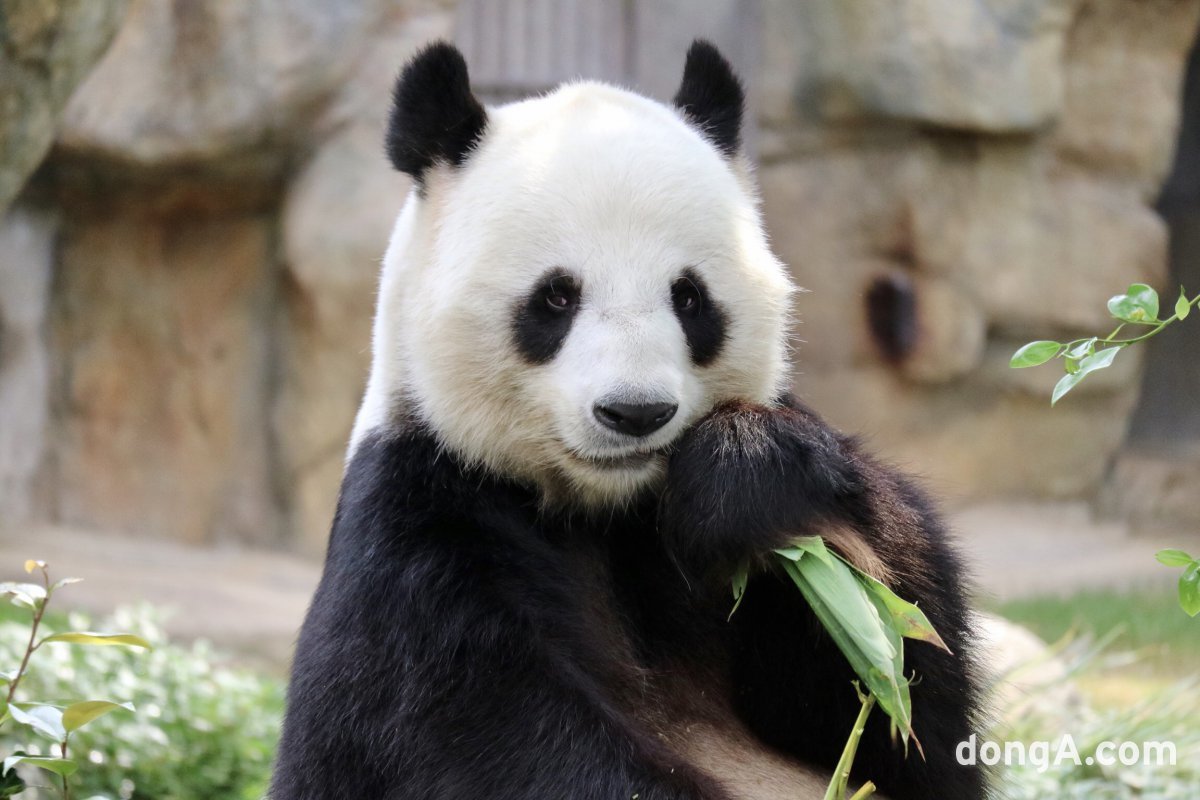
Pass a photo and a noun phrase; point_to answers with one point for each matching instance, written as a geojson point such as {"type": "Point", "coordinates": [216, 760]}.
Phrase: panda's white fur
{"type": "Point", "coordinates": [624, 193]}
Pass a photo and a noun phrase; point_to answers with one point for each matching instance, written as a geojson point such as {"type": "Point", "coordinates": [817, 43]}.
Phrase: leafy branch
{"type": "Point", "coordinates": [1081, 357]}
{"type": "Point", "coordinates": [54, 722]}
{"type": "Point", "coordinates": [868, 623]}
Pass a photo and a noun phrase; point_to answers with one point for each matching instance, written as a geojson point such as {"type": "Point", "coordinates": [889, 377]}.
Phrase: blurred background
{"type": "Point", "coordinates": [197, 205]}
{"type": "Point", "coordinates": [194, 202]}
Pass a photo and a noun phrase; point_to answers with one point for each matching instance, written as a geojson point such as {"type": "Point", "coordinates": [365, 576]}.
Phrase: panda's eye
{"type": "Point", "coordinates": [687, 297]}
{"type": "Point", "coordinates": [561, 294]}
{"type": "Point", "coordinates": [558, 301]}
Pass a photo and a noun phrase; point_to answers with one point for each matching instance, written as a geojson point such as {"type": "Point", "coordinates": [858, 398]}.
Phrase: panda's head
{"type": "Point", "coordinates": [575, 279]}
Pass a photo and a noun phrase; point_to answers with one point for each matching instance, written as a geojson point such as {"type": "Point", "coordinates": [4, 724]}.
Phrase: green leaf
{"type": "Point", "coordinates": [1034, 353]}
{"type": "Point", "coordinates": [1173, 558]}
{"type": "Point", "coordinates": [858, 624]}
{"type": "Point", "coordinates": [1182, 306]}
{"type": "Point", "coordinates": [790, 553]}
{"type": "Point", "coordinates": [59, 766]}
{"type": "Point", "coordinates": [77, 715]}
{"type": "Point", "coordinates": [1083, 349]}
{"type": "Point", "coordinates": [45, 719]}
{"type": "Point", "coordinates": [11, 784]}
{"type": "Point", "coordinates": [1101, 359]}
{"type": "Point", "coordinates": [99, 639]}
{"type": "Point", "coordinates": [1064, 385]}
{"type": "Point", "coordinates": [1138, 304]}
{"type": "Point", "coordinates": [64, 582]}
{"type": "Point", "coordinates": [25, 595]}
{"type": "Point", "coordinates": [909, 621]}
{"type": "Point", "coordinates": [815, 546]}
{"type": "Point", "coordinates": [1189, 589]}
{"type": "Point", "coordinates": [740, 579]}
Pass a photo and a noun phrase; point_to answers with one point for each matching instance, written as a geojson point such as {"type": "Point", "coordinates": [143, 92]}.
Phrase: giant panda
{"type": "Point", "coordinates": [576, 428]}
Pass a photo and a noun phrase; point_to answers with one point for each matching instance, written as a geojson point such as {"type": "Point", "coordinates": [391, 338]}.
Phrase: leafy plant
{"type": "Point", "coordinates": [1139, 305]}
{"type": "Point", "coordinates": [55, 722]}
{"type": "Point", "coordinates": [1189, 580]}
{"type": "Point", "coordinates": [1164, 715]}
{"type": "Point", "coordinates": [203, 729]}
{"type": "Point", "coordinates": [868, 623]}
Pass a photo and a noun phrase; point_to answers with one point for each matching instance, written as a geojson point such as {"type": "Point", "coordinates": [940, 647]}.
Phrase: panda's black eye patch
{"type": "Point", "coordinates": [701, 318]}
{"type": "Point", "coordinates": [543, 318]}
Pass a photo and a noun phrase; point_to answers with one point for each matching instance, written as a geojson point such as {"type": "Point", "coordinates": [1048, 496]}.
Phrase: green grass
{"type": "Point", "coordinates": [1152, 697]}
{"type": "Point", "coordinates": [1146, 622]}
{"type": "Point", "coordinates": [1146, 618]}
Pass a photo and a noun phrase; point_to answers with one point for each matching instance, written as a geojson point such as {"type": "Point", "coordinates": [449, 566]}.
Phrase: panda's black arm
{"type": "Point", "coordinates": [442, 658]}
{"type": "Point", "coordinates": [746, 479]}
{"type": "Point", "coordinates": [755, 477]}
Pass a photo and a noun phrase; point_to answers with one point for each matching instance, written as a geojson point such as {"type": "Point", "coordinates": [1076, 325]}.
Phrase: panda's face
{"type": "Point", "coordinates": [590, 282]}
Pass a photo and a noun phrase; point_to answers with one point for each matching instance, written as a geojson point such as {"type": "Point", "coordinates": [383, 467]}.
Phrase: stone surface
{"type": "Point", "coordinates": [1124, 71]}
{"type": "Point", "coordinates": [830, 220]}
{"type": "Point", "coordinates": [1025, 675]}
{"type": "Point", "coordinates": [162, 325]}
{"type": "Point", "coordinates": [951, 331]}
{"type": "Point", "coordinates": [332, 259]}
{"type": "Point", "coordinates": [246, 600]}
{"type": "Point", "coordinates": [883, 159]}
{"type": "Point", "coordinates": [1154, 491]}
{"type": "Point", "coordinates": [196, 81]}
{"type": "Point", "coordinates": [993, 66]}
{"type": "Point", "coordinates": [26, 264]}
{"type": "Point", "coordinates": [971, 440]}
{"type": "Point", "coordinates": [224, 204]}
{"type": "Point", "coordinates": [1040, 247]}
{"type": "Point", "coordinates": [332, 271]}
{"type": "Point", "coordinates": [46, 48]}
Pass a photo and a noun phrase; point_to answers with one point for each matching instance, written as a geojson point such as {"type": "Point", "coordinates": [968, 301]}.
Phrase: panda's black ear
{"type": "Point", "coordinates": [711, 97]}
{"type": "Point", "coordinates": [435, 118]}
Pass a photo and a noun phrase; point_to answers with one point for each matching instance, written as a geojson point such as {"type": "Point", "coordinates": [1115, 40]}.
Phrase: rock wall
{"type": "Point", "coordinates": [46, 48]}
{"type": "Point", "coordinates": [992, 167]}
{"type": "Point", "coordinates": [186, 284]}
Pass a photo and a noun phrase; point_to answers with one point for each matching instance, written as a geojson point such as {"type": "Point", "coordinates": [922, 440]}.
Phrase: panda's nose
{"type": "Point", "coordinates": [635, 419]}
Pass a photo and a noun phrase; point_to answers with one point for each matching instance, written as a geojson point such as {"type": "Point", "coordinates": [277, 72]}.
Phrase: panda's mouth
{"type": "Point", "coordinates": [638, 459]}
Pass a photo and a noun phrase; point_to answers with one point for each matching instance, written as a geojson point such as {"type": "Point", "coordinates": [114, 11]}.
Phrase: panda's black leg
{"type": "Point", "coordinates": [745, 480]}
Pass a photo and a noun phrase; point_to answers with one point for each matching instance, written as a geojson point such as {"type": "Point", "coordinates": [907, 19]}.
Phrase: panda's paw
{"type": "Point", "coordinates": [747, 478]}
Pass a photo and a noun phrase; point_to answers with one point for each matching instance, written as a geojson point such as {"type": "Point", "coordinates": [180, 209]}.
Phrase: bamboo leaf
{"type": "Point", "coordinates": [909, 621]}
{"type": "Point", "coordinates": [857, 626]}
{"type": "Point", "coordinates": [740, 579]}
